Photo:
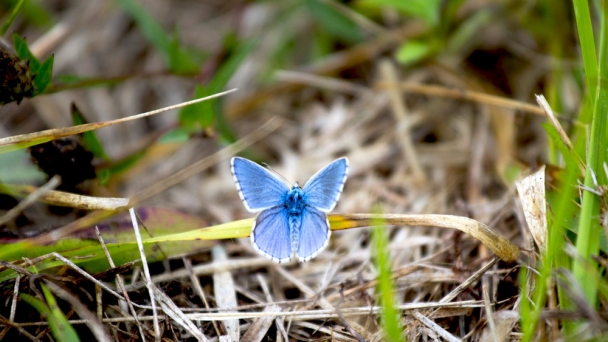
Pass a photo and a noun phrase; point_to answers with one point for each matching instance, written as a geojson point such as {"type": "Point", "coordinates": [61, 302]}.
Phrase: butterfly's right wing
{"type": "Point", "coordinates": [270, 234]}
{"type": "Point", "coordinates": [323, 189]}
{"type": "Point", "coordinates": [258, 188]}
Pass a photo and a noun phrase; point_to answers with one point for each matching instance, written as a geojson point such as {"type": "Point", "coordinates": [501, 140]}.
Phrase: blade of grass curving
{"type": "Point", "coordinates": [87, 252]}
{"type": "Point", "coordinates": [60, 327]}
{"type": "Point", "coordinates": [26, 140]}
{"type": "Point", "coordinates": [390, 317]}
{"type": "Point", "coordinates": [238, 229]}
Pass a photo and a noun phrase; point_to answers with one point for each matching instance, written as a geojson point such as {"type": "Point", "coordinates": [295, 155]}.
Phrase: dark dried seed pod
{"type": "Point", "coordinates": [16, 80]}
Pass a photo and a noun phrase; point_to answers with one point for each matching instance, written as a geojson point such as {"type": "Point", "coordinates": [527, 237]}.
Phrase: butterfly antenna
{"type": "Point", "coordinates": [275, 171]}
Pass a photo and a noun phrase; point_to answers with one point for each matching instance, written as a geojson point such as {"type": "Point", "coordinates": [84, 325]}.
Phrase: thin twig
{"type": "Point", "coordinates": [149, 284]}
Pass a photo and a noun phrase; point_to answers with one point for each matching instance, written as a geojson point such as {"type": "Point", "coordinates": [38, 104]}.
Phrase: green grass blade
{"type": "Point", "coordinates": [587, 41]}
{"type": "Point", "coordinates": [205, 113]}
{"type": "Point", "coordinates": [333, 21]}
{"type": "Point", "coordinates": [10, 19]}
{"type": "Point", "coordinates": [60, 327]}
{"type": "Point", "coordinates": [588, 239]}
{"type": "Point", "coordinates": [149, 27]}
{"type": "Point", "coordinates": [175, 58]}
{"type": "Point", "coordinates": [385, 289]}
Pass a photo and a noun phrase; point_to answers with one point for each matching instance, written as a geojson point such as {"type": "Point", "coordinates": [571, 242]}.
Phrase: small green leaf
{"type": "Point", "coordinates": [175, 57]}
{"type": "Point", "coordinates": [412, 52]}
{"type": "Point", "coordinates": [197, 113]}
{"type": "Point", "coordinates": [204, 113]}
{"type": "Point", "coordinates": [179, 61]}
{"type": "Point", "coordinates": [43, 75]}
{"type": "Point", "coordinates": [89, 139]}
{"type": "Point", "coordinates": [127, 162]}
{"type": "Point", "coordinates": [24, 53]}
{"type": "Point", "coordinates": [333, 21]}
{"type": "Point", "coordinates": [177, 135]}
{"type": "Point", "coordinates": [428, 10]}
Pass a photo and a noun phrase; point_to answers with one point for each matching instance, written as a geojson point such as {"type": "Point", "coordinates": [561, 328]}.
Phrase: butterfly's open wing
{"type": "Point", "coordinates": [324, 188]}
{"type": "Point", "coordinates": [314, 234]}
{"type": "Point", "coordinates": [259, 188]}
{"type": "Point", "coordinates": [270, 234]}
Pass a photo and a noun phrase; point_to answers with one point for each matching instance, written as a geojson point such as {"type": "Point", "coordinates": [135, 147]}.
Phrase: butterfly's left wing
{"type": "Point", "coordinates": [314, 234]}
{"type": "Point", "coordinates": [270, 234]}
{"type": "Point", "coordinates": [259, 188]}
{"type": "Point", "coordinates": [324, 188]}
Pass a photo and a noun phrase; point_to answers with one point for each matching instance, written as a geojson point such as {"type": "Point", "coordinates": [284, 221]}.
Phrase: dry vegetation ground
{"type": "Point", "coordinates": [412, 150]}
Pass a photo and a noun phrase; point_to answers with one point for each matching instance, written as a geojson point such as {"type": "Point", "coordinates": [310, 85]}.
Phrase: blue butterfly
{"type": "Point", "coordinates": [291, 221]}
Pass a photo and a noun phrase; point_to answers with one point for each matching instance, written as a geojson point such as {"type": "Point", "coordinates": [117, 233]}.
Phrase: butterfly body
{"type": "Point", "coordinates": [292, 221]}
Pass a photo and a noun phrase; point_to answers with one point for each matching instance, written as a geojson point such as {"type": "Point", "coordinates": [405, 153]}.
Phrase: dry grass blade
{"type": "Point", "coordinates": [225, 294]}
{"type": "Point", "coordinates": [66, 199]}
{"type": "Point", "coordinates": [504, 248]}
{"type": "Point", "coordinates": [485, 291]}
{"type": "Point", "coordinates": [403, 121]}
{"type": "Point", "coordinates": [19, 327]}
{"type": "Point", "coordinates": [532, 196]}
{"type": "Point", "coordinates": [549, 113]}
{"type": "Point", "coordinates": [435, 327]}
{"type": "Point", "coordinates": [299, 315]}
{"type": "Point", "coordinates": [176, 314]}
{"type": "Point", "coordinates": [31, 198]}
{"type": "Point", "coordinates": [463, 94]}
{"type": "Point", "coordinates": [25, 140]}
{"type": "Point", "coordinates": [504, 323]}
{"type": "Point", "coordinates": [207, 269]}
{"type": "Point", "coordinates": [322, 82]}
{"type": "Point", "coordinates": [156, 295]}
{"type": "Point", "coordinates": [147, 280]}
{"type": "Point", "coordinates": [475, 277]}
{"type": "Point", "coordinates": [258, 329]}
{"type": "Point", "coordinates": [83, 273]}
{"type": "Point", "coordinates": [121, 285]}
